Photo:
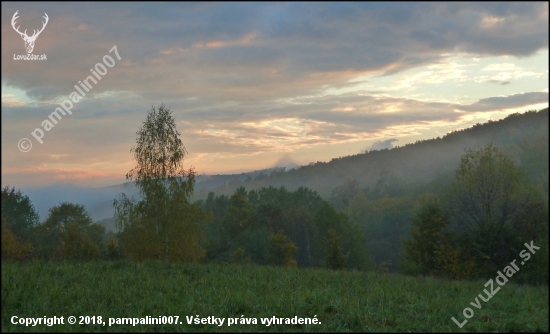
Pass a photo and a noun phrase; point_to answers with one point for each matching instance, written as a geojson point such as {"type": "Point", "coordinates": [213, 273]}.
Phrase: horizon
{"type": "Point", "coordinates": [278, 165]}
{"type": "Point", "coordinates": [253, 86]}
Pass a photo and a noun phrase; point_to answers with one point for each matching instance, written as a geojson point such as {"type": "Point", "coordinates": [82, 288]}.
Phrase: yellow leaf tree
{"type": "Point", "coordinates": [163, 224]}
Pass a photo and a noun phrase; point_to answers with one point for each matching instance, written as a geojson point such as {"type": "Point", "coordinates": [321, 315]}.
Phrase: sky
{"type": "Point", "coordinates": [254, 85]}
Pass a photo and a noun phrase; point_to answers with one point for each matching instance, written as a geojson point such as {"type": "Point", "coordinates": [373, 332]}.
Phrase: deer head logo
{"type": "Point", "coordinates": [29, 40]}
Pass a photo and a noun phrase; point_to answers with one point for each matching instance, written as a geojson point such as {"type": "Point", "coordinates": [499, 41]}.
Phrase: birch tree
{"type": "Point", "coordinates": [163, 224]}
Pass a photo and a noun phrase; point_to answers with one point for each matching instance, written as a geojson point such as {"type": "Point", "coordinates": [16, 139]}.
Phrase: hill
{"type": "Point", "coordinates": [522, 136]}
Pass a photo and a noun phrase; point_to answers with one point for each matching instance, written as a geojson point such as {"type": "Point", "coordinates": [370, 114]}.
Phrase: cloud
{"type": "Point", "coordinates": [505, 73]}
{"type": "Point", "coordinates": [381, 145]}
{"type": "Point", "coordinates": [498, 82]}
{"type": "Point", "coordinates": [287, 162]}
{"type": "Point", "coordinates": [436, 74]}
{"type": "Point", "coordinates": [10, 100]}
{"type": "Point", "coordinates": [258, 51]}
{"type": "Point", "coordinates": [507, 102]}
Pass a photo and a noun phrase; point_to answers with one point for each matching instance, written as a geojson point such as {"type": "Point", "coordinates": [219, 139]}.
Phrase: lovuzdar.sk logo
{"type": "Point", "coordinates": [29, 40]}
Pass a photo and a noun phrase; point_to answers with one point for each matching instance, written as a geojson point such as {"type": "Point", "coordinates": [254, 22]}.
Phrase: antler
{"type": "Point", "coordinates": [15, 17]}
{"type": "Point", "coordinates": [35, 34]}
{"type": "Point", "coordinates": [43, 26]}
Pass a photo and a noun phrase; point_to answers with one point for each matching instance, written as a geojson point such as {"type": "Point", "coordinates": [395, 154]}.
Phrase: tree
{"type": "Point", "coordinates": [12, 248]}
{"type": "Point", "coordinates": [299, 228]}
{"type": "Point", "coordinates": [239, 215]}
{"type": "Point", "coordinates": [76, 245]}
{"type": "Point", "coordinates": [428, 233]}
{"type": "Point", "coordinates": [342, 195]}
{"type": "Point", "coordinates": [239, 256]}
{"type": "Point", "coordinates": [346, 239]}
{"type": "Point", "coordinates": [389, 184]}
{"type": "Point", "coordinates": [281, 251]}
{"type": "Point", "coordinates": [112, 251]}
{"type": "Point", "coordinates": [531, 223]}
{"type": "Point", "coordinates": [487, 192]}
{"type": "Point", "coordinates": [66, 213]}
{"type": "Point", "coordinates": [494, 208]}
{"type": "Point", "coordinates": [431, 249]}
{"type": "Point", "coordinates": [19, 212]}
{"type": "Point", "coordinates": [163, 224]}
{"type": "Point", "coordinates": [534, 161]}
{"type": "Point", "coordinates": [68, 233]}
{"type": "Point", "coordinates": [335, 257]}
{"type": "Point", "coordinates": [270, 215]}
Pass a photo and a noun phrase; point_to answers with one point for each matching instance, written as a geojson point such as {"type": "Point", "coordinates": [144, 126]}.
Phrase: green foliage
{"type": "Point", "coordinates": [270, 215]}
{"type": "Point", "coordinates": [254, 243]}
{"type": "Point", "coordinates": [159, 151]}
{"type": "Point", "coordinates": [342, 195]}
{"type": "Point", "coordinates": [453, 262]}
{"type": "Point", "coordinates": [75, 245]}
{"type": "Point", "coordinates": [428, 236]}
{"type": "Point", "coordinates": [492, 205]}
{"type": "Point", "coordinates": [534, 161]}
{"type": "Point", "coordinates": [536, 270]}
{"type": "Point", "coordinates": [384, 222]}
{"type": "Point", "coordinates": [389, 184]}
{"type": "Point", "coordinates": [346, 241]}
{"type": "Point", "coordinates": [239, 256]}
{"type": "Point", "coordinates": [238, 216]}
{"type": "Point", "coordinates": [113, 251]}
{"type": "Point", "coordinates": [12, 248]}
{"type": "Point", "coordinates": [163, 224]}
{"type": "Point", "coordinates": [164, 227]}
{"type": "Point", "coordinates": [531, 223]}
{"type": "Point", "coordinates": [486, 191]}
{"type": "Point", "coordinates": [257, 221]}
{"type": "Point", "coordinates": [490, 212]}
{"type": "Point", "coordinates": [335, 257]}
{"type": "Point", "coordinates": [281, 251]}
{"type": "Point", "coordinates": [19, 212]}
{"type": "Point", "coordinates": [68, 233]}
{"type": "Point", "coordinates": [66, 213]}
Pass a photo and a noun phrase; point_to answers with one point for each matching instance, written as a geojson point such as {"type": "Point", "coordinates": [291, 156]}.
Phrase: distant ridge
{"type": "Point", "coordinates": [417, 162]}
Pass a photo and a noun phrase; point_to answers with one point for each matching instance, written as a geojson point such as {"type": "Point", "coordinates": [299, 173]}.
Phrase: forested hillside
{"type": "Point", "coordinates": [382, 191]}
{"type": "Point", "coordinates": [524, 137]}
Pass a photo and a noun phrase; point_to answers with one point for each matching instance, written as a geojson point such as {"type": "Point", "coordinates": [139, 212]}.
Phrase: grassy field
{"type": "Point", "coordinates": [340, 300]}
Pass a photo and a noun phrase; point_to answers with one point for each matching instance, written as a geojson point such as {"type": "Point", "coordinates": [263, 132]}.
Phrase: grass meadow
{"type": "Point", "coordinates": [340, 300]}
